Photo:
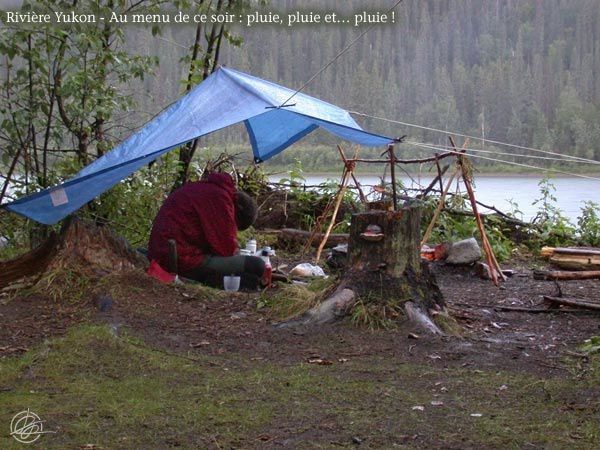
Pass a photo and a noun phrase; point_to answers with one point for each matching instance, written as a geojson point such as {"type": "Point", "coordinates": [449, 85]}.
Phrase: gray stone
{"type": "Point", "coordinates": [104, 302]}
{"type": "Point", "coordinates": [464, 252]}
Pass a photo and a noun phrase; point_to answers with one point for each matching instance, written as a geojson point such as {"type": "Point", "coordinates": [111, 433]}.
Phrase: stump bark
{"type": "Point", "coordinates": [385, 243]}
{"type": "Point", "coordinates": [384, 265]}
{"type": "Point", "coordinates": [384, 262]}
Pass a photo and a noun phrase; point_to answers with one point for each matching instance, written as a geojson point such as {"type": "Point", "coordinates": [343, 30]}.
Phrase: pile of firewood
{"type": "Point", "coordinates": [577, 263]}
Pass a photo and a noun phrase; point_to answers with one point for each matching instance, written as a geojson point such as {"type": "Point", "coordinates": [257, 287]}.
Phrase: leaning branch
{"type": "Point", "coordinates": [577, 303]}
{"type": "Point", "coordinates": [566, 275]}
{"type": "Point", "coordinates": [404, 161]}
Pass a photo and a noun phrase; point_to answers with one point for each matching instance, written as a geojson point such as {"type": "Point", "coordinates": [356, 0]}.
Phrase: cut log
{"type": "Point", "coordinates": [573, 258]}
{"type": "Point", "coordinates": [566, 275]}
{"type": "Point", "coordinates": [576, 261]}
{"type": "Point", "coordinates": [578, 251]}
{"type": "Point", "coordinates": [291, 235]}
{"type": "Point", "coordinates": [549, 251]}
{"type": "Point", "coordinates": [575, 302]}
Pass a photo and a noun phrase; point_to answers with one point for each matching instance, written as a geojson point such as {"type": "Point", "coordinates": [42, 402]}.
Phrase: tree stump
{"type": "Point", "coordinates": [81, 249]}
{"type": "Point", "coordinates": [384, 263]}
{"type": "Point", "coordinates": [386, 243]}
{"type": "Point", "coordinates": [384, 266]}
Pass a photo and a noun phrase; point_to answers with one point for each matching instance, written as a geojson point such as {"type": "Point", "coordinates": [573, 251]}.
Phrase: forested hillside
{"type": "Point", "coordinates": [525, 72]}
{"type": "Point", "coordinates": [520, 71]}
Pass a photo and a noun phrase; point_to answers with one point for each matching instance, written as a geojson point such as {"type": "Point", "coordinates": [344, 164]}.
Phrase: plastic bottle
{"type": "Point", "coordinates": [268, 273]}
{"type": "Point", "coordinates": [251, 246]}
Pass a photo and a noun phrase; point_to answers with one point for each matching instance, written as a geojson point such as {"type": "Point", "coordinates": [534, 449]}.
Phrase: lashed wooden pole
{"type": "Point", "coordinates": [439, 170]}
{"type": "Point", "coordinates": [441, 203]}
{"type": "Point", "coordinates": [349, 165]}
{"type": "Point", "coordinates": [439, 207]}
{"type": "Point", "coordinates": [361, 194]}
{"type": "Point", "coordinates": [393, 175]}
{"type": "Point", "coordinates": [338, 202]}
{"type": "Point", "coordinates": [403, 161]}
{"type": "Point", "coordinates": [495, 269]}
{"type": "Point", "coordinates": [317, 226]}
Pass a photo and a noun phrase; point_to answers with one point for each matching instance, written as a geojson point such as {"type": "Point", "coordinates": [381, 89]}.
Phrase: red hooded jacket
{"type": "Point", "coordinates": [200, 216]}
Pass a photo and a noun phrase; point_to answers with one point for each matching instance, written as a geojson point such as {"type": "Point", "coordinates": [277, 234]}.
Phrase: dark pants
{"type": "Point", "coordinates": [214, 268]}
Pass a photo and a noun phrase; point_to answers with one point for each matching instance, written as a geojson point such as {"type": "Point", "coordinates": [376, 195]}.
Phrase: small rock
{"type": "Point", "coordinates": [464, 252]}
{"type": "Point", "coordinates": [483, 270]}
{"type": "Point", "coordinates": [104, 302]}
{"type": "Point", "coordinates": [239, 315]}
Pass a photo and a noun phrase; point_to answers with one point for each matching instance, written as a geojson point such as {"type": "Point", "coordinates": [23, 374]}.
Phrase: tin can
{"type": "Point", "coordinates": [251, 246]}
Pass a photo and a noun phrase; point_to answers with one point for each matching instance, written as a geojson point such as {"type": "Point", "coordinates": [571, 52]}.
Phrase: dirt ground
{"type": "Point", "coordinates": [172, 317]}
{"type": "Point", "coordinates": [230, 328]}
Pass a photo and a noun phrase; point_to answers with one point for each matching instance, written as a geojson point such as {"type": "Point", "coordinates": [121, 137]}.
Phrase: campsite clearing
{"type": "Point", "coordinates": [181, 366]}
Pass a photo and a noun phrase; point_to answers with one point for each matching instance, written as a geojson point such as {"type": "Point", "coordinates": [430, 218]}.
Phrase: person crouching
{"type": "Point", "coordinates": [203, 218]}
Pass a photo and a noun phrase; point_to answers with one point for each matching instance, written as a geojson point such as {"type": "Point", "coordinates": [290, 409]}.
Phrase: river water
{"type": "Point", "coordinates": [497, 190]}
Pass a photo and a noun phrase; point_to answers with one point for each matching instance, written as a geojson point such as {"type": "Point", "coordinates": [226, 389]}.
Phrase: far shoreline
{"type": "Point", "coordinates": [551, 175]}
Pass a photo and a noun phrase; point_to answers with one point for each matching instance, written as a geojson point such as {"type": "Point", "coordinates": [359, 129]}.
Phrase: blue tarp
{"type": "Point", "coordinates": [225, 98]}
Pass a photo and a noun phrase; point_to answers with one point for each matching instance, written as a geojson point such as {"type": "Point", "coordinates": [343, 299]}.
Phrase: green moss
{"type": "Point", "coordinates": [447, 324]}
{"type": "Point", "coordinates": [93, 387]}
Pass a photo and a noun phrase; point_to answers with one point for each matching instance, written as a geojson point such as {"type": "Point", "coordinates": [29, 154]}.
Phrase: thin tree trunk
{"type": "Point", "coordinates": [99, 123]}
{"type": "Point", "coordinates": [214, 40]}
{"type": "Point", "coordinates": [32, 107]}
{"type": "Point", "coordinates": [11, 169]}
